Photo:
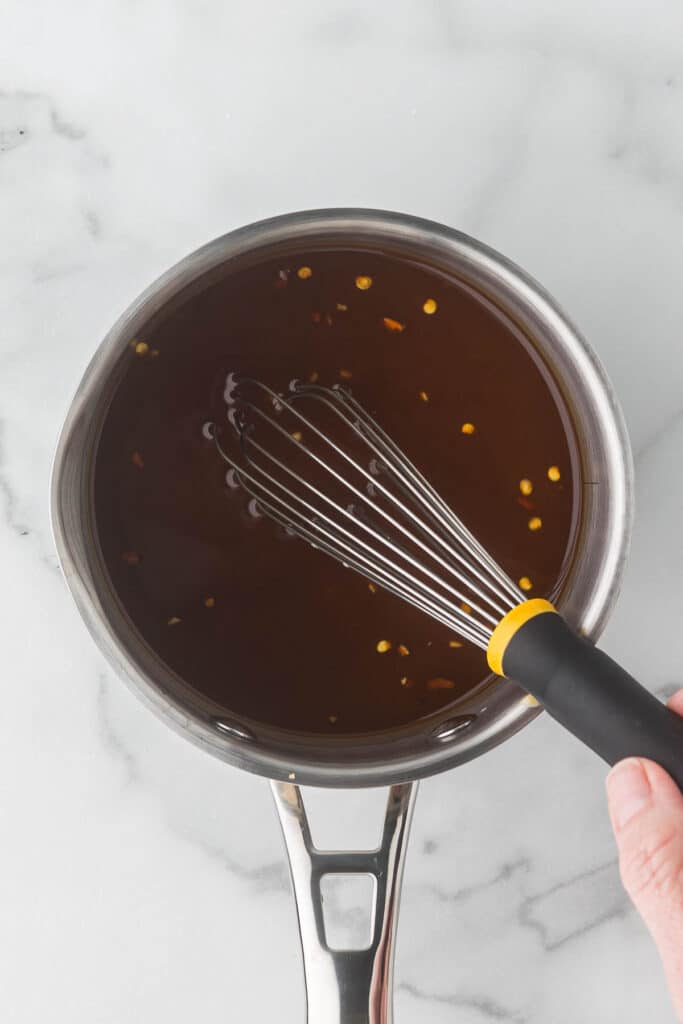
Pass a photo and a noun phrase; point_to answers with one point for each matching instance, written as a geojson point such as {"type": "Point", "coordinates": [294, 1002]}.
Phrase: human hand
{"type": "Point", "coordinates": [646, 808]}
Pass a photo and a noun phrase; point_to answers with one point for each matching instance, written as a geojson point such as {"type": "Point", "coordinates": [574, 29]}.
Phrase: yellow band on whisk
{"type": "Point", "coordinates": [508, 626]}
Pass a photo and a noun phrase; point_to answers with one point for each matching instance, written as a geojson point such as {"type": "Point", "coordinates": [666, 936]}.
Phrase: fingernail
{"type": "Point", "coordinates": [628, 789]}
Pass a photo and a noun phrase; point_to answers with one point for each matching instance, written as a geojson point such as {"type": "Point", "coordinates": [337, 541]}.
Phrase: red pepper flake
{"type": "Point", "coordinates": [440, 684]}
{"type": "Point", "coordinates": [130, 557]}
{"type": "Point", "coordinates": [316, 318]}
{"type": "Point", "coordinates": [393, 325]}
{"type": "Point", "coordinates": [346, 374]}
{"type": "Point", "coordinates": [525, 503]}
{"type": "Point", "coordinates": [137, 460]}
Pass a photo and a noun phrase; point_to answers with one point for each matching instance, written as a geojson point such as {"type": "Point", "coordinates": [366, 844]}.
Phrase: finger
{"type": "Point", "coordinates": [676, 702]}
{"type": "Point", "coordinates": [646, 808]}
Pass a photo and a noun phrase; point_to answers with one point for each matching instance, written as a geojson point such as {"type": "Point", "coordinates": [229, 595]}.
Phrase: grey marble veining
{"type": "Point", "coordinates": [139, 879]}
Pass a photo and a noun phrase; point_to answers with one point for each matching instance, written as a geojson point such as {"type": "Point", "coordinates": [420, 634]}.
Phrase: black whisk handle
{"type": "Point", "coordinates": [592, 696]}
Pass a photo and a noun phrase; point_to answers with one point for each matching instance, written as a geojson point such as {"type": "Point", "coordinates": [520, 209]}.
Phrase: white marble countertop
{"type": "Point", "coordinates": [140, 880]}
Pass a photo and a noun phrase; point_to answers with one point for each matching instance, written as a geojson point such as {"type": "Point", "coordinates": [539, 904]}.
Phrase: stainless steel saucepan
{"type": "Point", "coordinates": [350, 986]}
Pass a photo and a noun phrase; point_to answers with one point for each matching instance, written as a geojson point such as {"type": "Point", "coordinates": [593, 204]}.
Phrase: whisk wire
{"type": "Point", "coordinates": [450, 617]}
{"type": "Point", "coordinates": [325, 532]}
{"type": "Point", "coordinates": [373, 540]}
{"type": "Point", "coordinates": [423, 489]}
{"type": "Point", "coordinates": [416, 484]}
{"type": "Point", "coordinates": [359, 494]}
{"type": "Point", "coordinates": [454, 555]}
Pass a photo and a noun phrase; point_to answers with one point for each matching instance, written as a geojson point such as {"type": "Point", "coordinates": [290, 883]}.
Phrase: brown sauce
{"type": "Point", "coordinates": [259, 623]}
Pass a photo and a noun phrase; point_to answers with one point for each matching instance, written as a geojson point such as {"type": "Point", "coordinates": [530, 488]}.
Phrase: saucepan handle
{"type": "Point", "coordinates": [347, 986]}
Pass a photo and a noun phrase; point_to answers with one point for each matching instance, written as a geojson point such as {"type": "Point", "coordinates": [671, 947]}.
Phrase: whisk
{"type": "Point", "coordinates": [316, 462]}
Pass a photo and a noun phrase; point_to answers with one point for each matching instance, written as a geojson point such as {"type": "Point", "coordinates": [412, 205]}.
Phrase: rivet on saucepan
{"type": "Point", "coordinates": [237, 732]}
{"type": "Point", "coordinates": [451, 728]}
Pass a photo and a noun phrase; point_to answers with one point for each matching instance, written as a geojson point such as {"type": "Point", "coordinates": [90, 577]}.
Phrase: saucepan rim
{"type": "Point", "coordinates": [232, 740]}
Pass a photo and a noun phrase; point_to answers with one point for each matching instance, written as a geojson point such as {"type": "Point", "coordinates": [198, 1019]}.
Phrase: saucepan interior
{"type": "Point", "coordinates": [586, 593]}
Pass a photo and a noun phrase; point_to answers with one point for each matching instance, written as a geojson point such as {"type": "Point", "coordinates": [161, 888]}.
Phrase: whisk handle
{"type": "Point", "coordinates": [592, 696]}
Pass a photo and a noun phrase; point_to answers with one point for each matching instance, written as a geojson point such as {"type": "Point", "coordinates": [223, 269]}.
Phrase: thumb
{"type": "Point", "coordinates": [646, 808]}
